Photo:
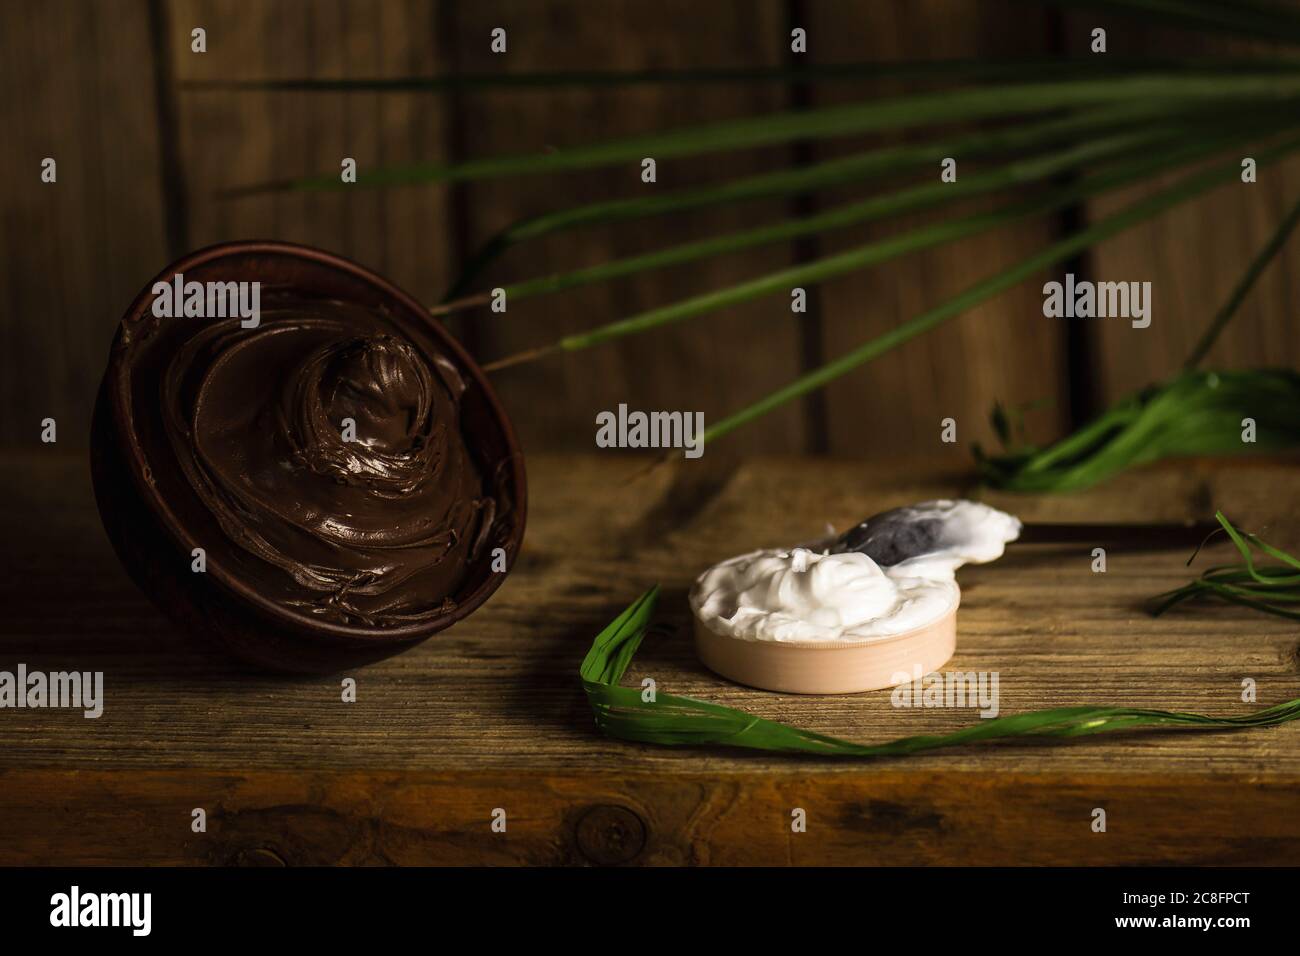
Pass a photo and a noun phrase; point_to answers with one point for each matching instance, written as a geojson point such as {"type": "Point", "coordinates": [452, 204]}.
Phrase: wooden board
{"type": "Point", "coordinates": [607, 818]}
{"type": "Point", "coordinates": [230, 138]}
{"type": "Point", "coordinates": [1194, 255]}
{"type": "Point", "coordinates": [73, 253]}
{"type": "Point", "coordinates": [491, 713]}
{"type": "Point", "coordinates": [144, 154]}
{"type": "Point", "coordinates": [1001, 351]}
{"type": "Point", "coordinates": [715, 363]}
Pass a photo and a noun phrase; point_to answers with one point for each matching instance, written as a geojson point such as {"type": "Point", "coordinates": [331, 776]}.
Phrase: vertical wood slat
{"type": "Point", "coordinates": [1003, 350]}
{"type": "Point", "coordinates": [232, 138]}
{"type": "Point", "coordinates": [73, 254]}
{"type": "Point", "coordinates": [715, 363]}
{"type": "Point", "coordinates": [1194, 255]}
{"type": "Point", "coordinates": [79, 88]}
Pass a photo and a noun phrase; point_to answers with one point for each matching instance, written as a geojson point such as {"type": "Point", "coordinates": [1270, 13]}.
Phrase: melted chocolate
{"type": "Point", "coordinates": [376, 531]}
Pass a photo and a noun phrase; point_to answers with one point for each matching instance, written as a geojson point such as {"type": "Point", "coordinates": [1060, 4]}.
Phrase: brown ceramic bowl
{"type": "Point", "coordinates": [150, 515]}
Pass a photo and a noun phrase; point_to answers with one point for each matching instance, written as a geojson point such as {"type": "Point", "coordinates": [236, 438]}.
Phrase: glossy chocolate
{"type": "Point", "coordinates": [376, 530]}
{"type": "Point", "coordinates": [342, 464]}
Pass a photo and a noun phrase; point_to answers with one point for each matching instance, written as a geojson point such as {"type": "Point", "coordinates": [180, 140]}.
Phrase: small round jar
{"type": "Point", "coordinates": [156, 511]}
{"type": "Point", "coordinates": [830, 667]}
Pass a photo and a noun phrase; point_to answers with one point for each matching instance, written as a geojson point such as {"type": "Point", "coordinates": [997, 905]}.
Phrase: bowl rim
{"type": "Point", "coordinates": [133, 453]}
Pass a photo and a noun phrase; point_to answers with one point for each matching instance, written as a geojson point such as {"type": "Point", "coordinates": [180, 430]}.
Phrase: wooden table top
{"type": "Point", "coordinates": [491, 714]}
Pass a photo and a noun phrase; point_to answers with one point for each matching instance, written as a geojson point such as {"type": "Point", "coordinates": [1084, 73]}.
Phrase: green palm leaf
{"type": "Point", "coordinates": [911, 112]}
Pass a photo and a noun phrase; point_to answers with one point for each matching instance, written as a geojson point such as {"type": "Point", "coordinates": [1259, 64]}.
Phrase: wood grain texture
{"type": "Point", "coordinates": [143, 156]}
{"type": "Point", "coordinates": [692, 817]}
{"type": "Point", "coordinates": [79, 82]}
{"type": "Point", "coordinates": [491, 714]}
{"type": "Point", "coordinates": [714, 363]}
{"type": "Point", "coordinates": [1003, 350]}
{"type": "Point", "coordinates": [500, 690]}
{"type": "Point", "coordinates": [1195, 254]}
{"type": "Point", "coordinates": [231, 139]}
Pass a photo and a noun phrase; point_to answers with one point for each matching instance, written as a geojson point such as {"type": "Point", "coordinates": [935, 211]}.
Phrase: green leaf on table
{"type": "Point", "coordinates": [670, 720]}
{"type": "Point", "coordinates": [1272, 586]}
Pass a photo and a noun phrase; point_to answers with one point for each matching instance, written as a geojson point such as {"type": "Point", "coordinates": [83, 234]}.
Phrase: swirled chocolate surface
{"type": "Point", "coordinates": [326, 448]}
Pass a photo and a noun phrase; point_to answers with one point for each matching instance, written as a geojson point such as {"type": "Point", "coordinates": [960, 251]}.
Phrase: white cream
{"type": "Point", "coordinates": [810, 596]}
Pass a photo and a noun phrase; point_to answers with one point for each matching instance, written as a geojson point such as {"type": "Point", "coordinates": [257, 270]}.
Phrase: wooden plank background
{"type": "Point", "coordinates": [100, 86]}
{"type": "Point", "coordinates": [1194, 255]}
{"type": "Point", "coordinates": [79, 85]}
{"type": "Point", "coordinates": [1003, 350]}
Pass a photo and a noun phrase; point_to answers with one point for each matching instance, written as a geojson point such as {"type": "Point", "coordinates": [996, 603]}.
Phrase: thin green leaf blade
{"type": "Point", "coordinates": [669, 720]}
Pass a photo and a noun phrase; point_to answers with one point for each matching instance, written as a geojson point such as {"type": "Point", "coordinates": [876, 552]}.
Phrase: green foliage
{"type": "Point", "coordinates": [1196, 413]}
{"type": "Point", "coordinates": [1273, 588]}
{"type": "Point", "coordinates": [684, 721]}
{"type": "Point", "coordinates": [1053, 132]}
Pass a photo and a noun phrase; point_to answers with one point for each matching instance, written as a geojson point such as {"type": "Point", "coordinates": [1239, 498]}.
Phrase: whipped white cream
{"type": "Point", "coordinates": [811, 596]}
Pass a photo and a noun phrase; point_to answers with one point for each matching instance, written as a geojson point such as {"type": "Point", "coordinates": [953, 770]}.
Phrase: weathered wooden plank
{"type": "Point", "coordinates": [1194, 255]}
{"type": "Point", "coordinates": [499, 692]}
{"type": "Point", "coordinates": [881, 818]}
{"type": "Point", "coordinates": [72, 253]}
{"type": "Point", "coordinates": [1003, 350]}
{"type": "Point", "coordinates": [234, 138]}
{"type": "Point", "coordinates": [490, 714]}
{"type": "Point", "coordinates": [714, 364]}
